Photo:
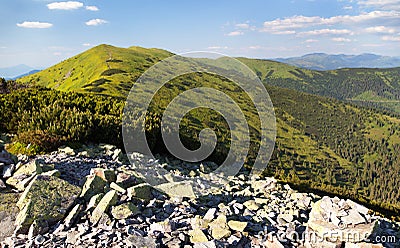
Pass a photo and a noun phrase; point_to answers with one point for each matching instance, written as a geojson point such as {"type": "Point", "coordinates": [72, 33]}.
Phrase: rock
{"type": "Point", "coordinates": [38, 227]}
{"type": "Point", "coordinates": [72, 215]}
{"type": "Point", "coordinates": [20, 181]}
{"type": "Point", "coordinates": [210, 214]}
{"type": "Point", "coordinates": [8, 170]}
{"type": "Point", "coordinates": [274, 243]}
{"type": "Point", "coordinates": [109, 199]}
{"type": "Point", "coordinates": [209, 244]}
{"type": "Point", "coordinates": [124, 211]}
{"type": "Point", "coordinates": [177, 189]}
{"type": "Point", "coordinates": [72, 237]}
{"type": "Point", "coordinates": [287, 218]}
{"type": "Point", "coordinates": [219, 228]}
{"type": "Point", "coordinates": [359, 208]}
{"type": "Point", "coordinates": [163, 226]}
{"type": "Point", "coordinates": [93, 185]}
{"type": "Point", "coordinates": [46, 199]}
{"type": "Point", "coordinates": [106, 174]}
{"type": "Point", "coordinates": [67, 150]}
{"type": "Point", "coordinates": [39, 240]}
{"type": "Point", "coordinates": [125, 180]}
{"type": "Point", "coordinates": [54, 173]}
{"type": "Point", "coordinates": [237, 225]}
{"type": "Point", "coordinates": [117, 188]}
{"type": "Point", "coordinates": [142, 191]}
{"type": "Point", "coordinates": [139, 241]}
{"type": "Point", "coordinates": [197, 236]}
{"type": "Point", "coordinates": [2, 185]}
{"type": "Point", "coordinates": [351, 222]}
{"type": "Point", "coordinates": [94, 200]}
{"type": "Point", "coordinates": [251, 205]}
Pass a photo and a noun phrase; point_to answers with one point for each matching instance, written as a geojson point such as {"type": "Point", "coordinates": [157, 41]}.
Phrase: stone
{"type": "Point", "coordinates": [163, 227]}
{"type": "Point", "coordinates": [72, 215]}
{"type": "Point", "coordinates": [47, 198]}
{"type": "Point", "coordinates": [237, 225]}
{"type": "Point", "coordinates": [38, 227]}
{"type": "Point", "coordinates": [2, 185]}
{"type": "Point", "coordinates": [94, 200]}
{"type": "Point", "coordinates": [177, 189]}
{"type": "Point", "coordinates": [274, 243]}
{"type": "Point", "coordinates": [117, 188]}
{"type": "Point", "coordinates": [126, 180]}
{"type": "Point", "coordinates": [209, 244]}
{"type": "Point", "coordinates": [39, 240]}
{"type": "Point", "coordinates": [124, 211]}
{"type": "Point", "coordinates": [353, 218]}
{"type": "Point", "coordinates": [72, 237]}
{"type": "Point", "coordinates": [109, 199]}
{"type": "Point", "coordinates": [93, 185]}
{"type": "Point", "coordinates": [67, 150]}
{"type": "Point", "coordinates": [142, 191]}
{"type": "Point", "coordinates": [54, 173]}
{"type": "Point", "coordinates": [219, 228]}
{"type": "Point", "coordinates": [210, 214]}
{"type": "Point", "coordinates": [197, 236]}
{"type": "Point", "coordinates": [8, 170]}
{"type": "Point", "coordinates": [105, 174]}
{"type": "Point", "coordinates": [251, 205]}
{"type": "Point", "coordinates": [140, 241]}
{"type": "Point", "coordinates": [354, 227]}
{"type": "Point", "coordinates": [360, 208]}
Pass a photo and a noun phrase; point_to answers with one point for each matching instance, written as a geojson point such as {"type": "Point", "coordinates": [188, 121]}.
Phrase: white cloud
{"type": "Point", "coordinates": [380, 29]}
{"type": "Point", "coordinates": [327, 31]}
{"type": "Point", "coordinates": [341, 39]}
{"type": "Point", "coordinates": [92, 8]}
{"type": "Point", "coordinates": [311, 41]}
{"type": "Point", "coordinates": [242, 25]}
{"type": "Point", "coordinates": [284, 32]}
{"type": "Point", "coordinates": [301, 22]}
{"type": "Point", "coordinates": [96, 22]}
{"type": "Point", "coordinates": [34, 25]}
{"type": "Point", "coordinates": [87, 44]}
{"type": "Point", "coordinates": [69, 5]}
{"type": "Point", "coordinates": [381, 4]}
{"type": "Point", "coordinates": [57, 54]}
{"type": "Point", "coordinates": [348, 7]}
{"type": "Point", "coordinates": [235, 33]}
{"type": "Point", "coordinates": [390, 38]}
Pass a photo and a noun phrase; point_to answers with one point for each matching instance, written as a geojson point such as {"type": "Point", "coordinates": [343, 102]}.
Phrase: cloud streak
{"type": "Point", "coordinates": [92, 8]}
{"type": "Point", "coordinates": [235, 33]}
{"type": "Point", "coordinates": [35, 25]}
{"type": "Point", "coordinates": [69, 5]}
{"type": "Point", "coordinates": [95, 22]}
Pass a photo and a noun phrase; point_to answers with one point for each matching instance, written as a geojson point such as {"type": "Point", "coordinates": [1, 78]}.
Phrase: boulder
{"type": "Point", "coordinates": [177, 189]}
{"type": "Point", "coordinates": [219, 228]}
{"type": "Point", "coordinates": [106, 174]}
{"type": "Point", "coordinates": [124, 211]}
{"type": "Point", "coordinates": [46, 198]}
{"type": "Point", "coordinates": [93, 185]}
{"type": "Point", "coordinates": [237, 225]}
{"type": "Point", "coordinates": [142, 191]}
{"type": "Point", "coordinates": [197, 236]}
{"type": "Point", "coordinates": [117, 188]}
{"type": "Point", "coordinates": [71, 217]}
{"type": "Point", "coordinates": [109, 199]}
{"type": "Point", "coordinates": [67, 150]}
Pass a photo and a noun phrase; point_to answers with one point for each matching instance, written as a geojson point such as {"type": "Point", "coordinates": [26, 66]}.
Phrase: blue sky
{"type": "Point", "coordinates": [40, 33]}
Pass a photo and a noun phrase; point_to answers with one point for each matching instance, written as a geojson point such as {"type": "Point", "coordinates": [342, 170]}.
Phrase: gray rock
{"type": "Point", "coordinates": [140, 241]}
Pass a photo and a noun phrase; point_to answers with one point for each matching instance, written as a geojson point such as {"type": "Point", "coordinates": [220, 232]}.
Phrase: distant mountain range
{"type": "Point", "coordinates": [323, 61]}
{"type": "Point", "coordinates": [16, 71]}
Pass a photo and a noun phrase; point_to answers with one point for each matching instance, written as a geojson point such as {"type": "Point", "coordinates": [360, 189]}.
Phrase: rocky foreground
{"type": "Point", "coordinates": [93, 197]}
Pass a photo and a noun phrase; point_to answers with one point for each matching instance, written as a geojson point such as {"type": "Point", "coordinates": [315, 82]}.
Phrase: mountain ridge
{"type": "Point", "coordinates": [324, 61]}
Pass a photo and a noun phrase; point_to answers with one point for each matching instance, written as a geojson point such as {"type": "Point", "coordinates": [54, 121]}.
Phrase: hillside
{"type": "Point", "coordinates": [111, 70]}
{"type": "Point", "coordinates": [322, 143]}
{"type": "Point", "coordinates": [323, 61]}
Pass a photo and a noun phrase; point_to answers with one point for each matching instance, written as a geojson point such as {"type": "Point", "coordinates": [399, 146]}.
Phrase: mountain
{"type": "Point", "coordinates": [112, 70]}
{"type": "Point", "coordinates": [323, 61]}
{"type": "Point", "coordinates": [322, 143]}
{"type": "Point", "coordinates": [14, 71]}
{"type": "Point", "coordinates": [26, 74]}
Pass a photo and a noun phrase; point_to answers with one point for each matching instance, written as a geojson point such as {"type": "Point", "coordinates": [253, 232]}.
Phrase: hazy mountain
{"type": "Point", "coordinates": [323, 61]}
{"type": "Point", "coordinates": [14, 71]}
{"type": "Point", "coordinates": [26, 74]}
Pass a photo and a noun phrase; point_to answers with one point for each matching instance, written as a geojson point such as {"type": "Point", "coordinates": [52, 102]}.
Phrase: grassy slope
{"type": "Point", "coordinates": [320, 141]}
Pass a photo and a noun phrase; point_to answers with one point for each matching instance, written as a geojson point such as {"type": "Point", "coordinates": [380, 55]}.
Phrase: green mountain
{"type": "Point", "coordinates": [111, 70]}
{"type": "Point", "coordinates": [322, 143]}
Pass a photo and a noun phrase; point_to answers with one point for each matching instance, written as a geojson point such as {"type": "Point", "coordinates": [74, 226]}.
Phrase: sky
{"type": "Point", "coordinates": [40, 33]}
